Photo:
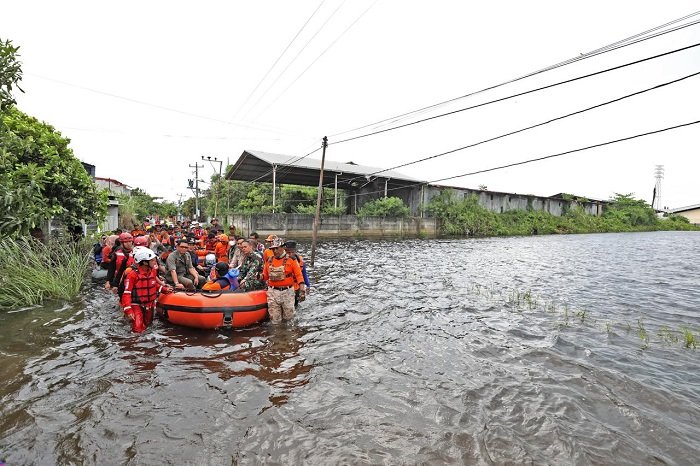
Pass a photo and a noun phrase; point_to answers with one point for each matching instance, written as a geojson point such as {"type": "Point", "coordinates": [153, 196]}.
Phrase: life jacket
{"type": "Point", "coordinates": [140, 288]}
{"type": "Point", "coordinates": [281, 275]}
{"type": "Point", "coordinates": [121, 261]}
{"type": "Point", "coordinates": [106, 255]}
{"type": "Point", "coordinates": [220, 283]}
{"type": "Point", "coordinates": [300, 260]}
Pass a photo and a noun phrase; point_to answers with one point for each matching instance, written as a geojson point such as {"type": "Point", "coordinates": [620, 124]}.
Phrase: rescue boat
{"type": "Point", "coordinates": [213, 309]}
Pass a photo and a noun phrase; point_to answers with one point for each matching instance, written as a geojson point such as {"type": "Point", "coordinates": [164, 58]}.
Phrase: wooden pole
{"type": "Point", "coordinates": [317, 218]}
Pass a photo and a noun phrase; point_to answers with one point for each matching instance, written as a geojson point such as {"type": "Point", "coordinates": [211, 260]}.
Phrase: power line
{"type": "Point", "coordinates": [293, 60]}
{"type": "Point", "coordinates": [605, 49]}
{"type": "Point", "coordinates": [149, 104]}
{"type": "Point", "coordinates": [278, 59]}
{"type": "Point", "coordinates": [315, 60]}
{"type": "Point", "coordinates": [561, 117]}
{"type": "Point", "coordinates": [537, 159]}
{"type": "Point", "coordinates": [502, 99]}
{"type": "Point", "coordinates": [519, 94]}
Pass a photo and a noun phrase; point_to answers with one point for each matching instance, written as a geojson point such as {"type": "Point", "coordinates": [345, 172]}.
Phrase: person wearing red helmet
{"type": "Point", "coordinates": [141, 241]}
{"type": "Point", "coordinates": [121, 259]}
{"type": "Point", "coordinates": [141, 288]}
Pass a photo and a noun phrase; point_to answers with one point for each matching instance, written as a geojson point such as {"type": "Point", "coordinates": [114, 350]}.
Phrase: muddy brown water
{"type": "Point", "coordinates": [535, 350]}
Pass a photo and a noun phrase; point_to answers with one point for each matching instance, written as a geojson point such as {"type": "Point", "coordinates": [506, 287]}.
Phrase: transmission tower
{"type": "Point", "coordinates": [659, 174]}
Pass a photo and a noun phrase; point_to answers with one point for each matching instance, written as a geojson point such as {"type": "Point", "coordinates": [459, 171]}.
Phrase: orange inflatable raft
{"type": "Point", "coordinates": [216, 309]}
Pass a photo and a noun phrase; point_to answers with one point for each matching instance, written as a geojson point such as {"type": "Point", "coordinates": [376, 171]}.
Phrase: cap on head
{"type": "Point", "coordinates": [277, 243]}
{"type": "Point", "coordinates": [271, 238]}
{"type": "Point", "coordinates": [290, 245]}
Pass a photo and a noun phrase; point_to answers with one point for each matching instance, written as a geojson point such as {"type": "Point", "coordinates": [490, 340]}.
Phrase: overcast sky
{"type": "Point", "coordinates": [144, 89]}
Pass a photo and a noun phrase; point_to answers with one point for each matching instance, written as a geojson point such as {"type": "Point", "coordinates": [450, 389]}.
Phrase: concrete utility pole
{"type": "Point", "coordinates": [659, 174]}
{"type": "Point", "coordinates": [196, 189]}
{"type": "Point", "coordinates": [212, 161]}
{"type": "Point", "coordinates": [317, 218]}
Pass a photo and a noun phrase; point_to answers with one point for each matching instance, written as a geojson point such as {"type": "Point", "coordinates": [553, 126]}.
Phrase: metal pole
{"type": "Point", "coordinates": [317, 218]}
{"type": "Point", "coordinates": [335, 200]}
{"type": "Point", "coordinates": [274, 186]}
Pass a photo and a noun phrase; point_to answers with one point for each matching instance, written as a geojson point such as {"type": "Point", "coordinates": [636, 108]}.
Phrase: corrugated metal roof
{"type": "Point", "coordinates": [683, 209]}
{"type": "Point", "coordinates": [255, 165]}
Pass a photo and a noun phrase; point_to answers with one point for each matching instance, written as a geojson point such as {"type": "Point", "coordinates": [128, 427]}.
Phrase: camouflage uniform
{"type": "Point", "coordinates": [250, 271]}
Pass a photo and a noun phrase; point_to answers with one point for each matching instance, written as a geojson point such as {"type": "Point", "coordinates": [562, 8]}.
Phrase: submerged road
{"type": "Point", "coordinates": [546, 350]}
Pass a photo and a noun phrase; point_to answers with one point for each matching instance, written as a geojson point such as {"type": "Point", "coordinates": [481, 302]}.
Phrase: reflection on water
{"type": "Point", "coordinates": [547, 350]}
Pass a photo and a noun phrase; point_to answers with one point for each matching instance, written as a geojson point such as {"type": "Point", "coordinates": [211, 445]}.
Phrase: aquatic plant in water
{"type": "Point", "coordinates": [31, 271]}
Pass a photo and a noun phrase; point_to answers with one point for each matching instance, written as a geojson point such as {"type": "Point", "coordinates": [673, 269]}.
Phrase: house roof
{"type": "Point", "coordinates": [683, 209]}
{"type": "Point", "coordinates": [255, 165]}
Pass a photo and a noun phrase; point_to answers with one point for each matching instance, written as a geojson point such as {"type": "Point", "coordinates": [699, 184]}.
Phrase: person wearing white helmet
{"type": "Point", "coordinates": [141, 288]}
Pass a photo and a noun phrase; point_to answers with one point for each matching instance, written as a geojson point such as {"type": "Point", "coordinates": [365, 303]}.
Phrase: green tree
{"type": "Point", "coordinates": [625, 209]}
{"type": "Point", "coordinates": [10, 73]}
{"type": "Point", "coordinates": [40, 178]}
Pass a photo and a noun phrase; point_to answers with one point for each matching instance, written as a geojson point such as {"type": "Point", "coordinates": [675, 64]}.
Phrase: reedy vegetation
{"type": "Point", "coordinates": [31, 271]}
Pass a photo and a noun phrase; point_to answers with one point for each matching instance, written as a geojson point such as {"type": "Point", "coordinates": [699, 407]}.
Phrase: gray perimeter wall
{"type": "Point", "coordinates": [297, 226]}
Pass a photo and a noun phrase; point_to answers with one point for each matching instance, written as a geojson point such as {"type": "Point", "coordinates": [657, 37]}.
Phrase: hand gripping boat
{"type": "Point", "coordinates": [213, 309]}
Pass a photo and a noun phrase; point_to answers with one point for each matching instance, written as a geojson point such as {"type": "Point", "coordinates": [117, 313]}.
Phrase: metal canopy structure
{"type": "Point", "coordinates": [285, 169]}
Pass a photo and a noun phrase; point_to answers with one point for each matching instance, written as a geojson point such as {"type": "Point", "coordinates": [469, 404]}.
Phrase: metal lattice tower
{"type": "Point", "coordinates": [659, 174]}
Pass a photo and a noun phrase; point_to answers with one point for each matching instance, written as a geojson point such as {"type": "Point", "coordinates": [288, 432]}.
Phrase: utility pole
{"type": "Point", "coordinates": [196, 167]}
{"type": "Point", "coordinates": [212, 161]}
{"type": "Point", "coordinates": [659, 174]}
{"type": "Point", "coordinates": [317, 218]}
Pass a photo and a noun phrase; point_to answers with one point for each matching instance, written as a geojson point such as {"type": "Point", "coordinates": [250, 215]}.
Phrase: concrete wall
{"type": "Point", "coordinates": [503, 202]}
{"type": "Point", "coordinates": [337, 226]}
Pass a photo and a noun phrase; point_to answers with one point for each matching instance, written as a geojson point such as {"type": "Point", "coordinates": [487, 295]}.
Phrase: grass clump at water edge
{"type": "Point", "coordinates": [31, 271]}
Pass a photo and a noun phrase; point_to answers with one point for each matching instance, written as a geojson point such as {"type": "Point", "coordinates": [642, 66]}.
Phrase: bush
{"type": "Point", "coordinates": [385, 207]}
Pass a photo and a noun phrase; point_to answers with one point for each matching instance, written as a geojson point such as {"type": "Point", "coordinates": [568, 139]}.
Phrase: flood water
{"type": "Point", "coordinates": [534, 350]}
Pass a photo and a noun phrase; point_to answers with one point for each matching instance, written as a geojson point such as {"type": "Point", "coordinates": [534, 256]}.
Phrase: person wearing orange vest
{"type": "Point", "coordinates": [141, 288]}
{"type": "Point", "coordinates": [221, 248]}
{"type": "Point", "coordinates": [281, 273]}
{"type": "Point", "coordinates": [267, 252]}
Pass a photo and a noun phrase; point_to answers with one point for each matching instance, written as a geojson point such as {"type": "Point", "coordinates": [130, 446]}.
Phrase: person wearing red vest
{"type": "Point", "coordinates": [141, 288]}
{"type": "Point", "coordinates": [121, 259]}
{"type": "Point", "coordinates": [281, 273]}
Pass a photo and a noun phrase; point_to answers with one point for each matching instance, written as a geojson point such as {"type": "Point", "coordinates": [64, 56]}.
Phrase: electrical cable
{"type": "Point", "coordinates": [293, 60]}
{"type": "Point", "coordinates": [561, 117]}
{"type": "Point", "coordinates": [519, 94]}
{"type": "Point", "coordinates": [160, 107]}
{"type": "Point", "coordinates": [536, 159]}
{"type": "Point", "coordinates": [278, 59]}
{"type": "Point", "coordinates": [502, 99]}
{"type": "Point", "coordinates": [315, 60]}
{"type": "Point", "coordinates": [598, 51]}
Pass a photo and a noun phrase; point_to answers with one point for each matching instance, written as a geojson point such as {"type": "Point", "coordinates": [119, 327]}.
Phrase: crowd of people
{"type": "Point", "coordinates": [160, 257]}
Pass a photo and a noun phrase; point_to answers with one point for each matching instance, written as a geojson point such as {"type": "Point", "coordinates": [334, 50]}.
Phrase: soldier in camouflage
{"type": "Point", "coordinates": [251, 269]}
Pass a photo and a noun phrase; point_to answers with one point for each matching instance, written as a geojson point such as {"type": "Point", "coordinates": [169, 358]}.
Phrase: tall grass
{"type": "Point", "coordinates": [31, 272]}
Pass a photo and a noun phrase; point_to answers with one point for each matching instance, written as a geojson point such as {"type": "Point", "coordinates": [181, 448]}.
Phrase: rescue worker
{"type": "Point", "coordinates": [281, 272]}
{"type": "Point", "coordinates": [121, 259]}
{"type": "Point", "coordinates": [291, 248]}
{"type": "Point", "coordinates": [181, 272]}
{"type": "Point", "coordinates": [221, 282]}
{"type": "Point", "coordinates": [221, 248]}
{"type": "Point", "coordinates": [107, 251]}
{"type": "Point", "coordinates": [141, 288]}
{"type": "Point", "coordinates": [267, 253]}
{"type": "Point", "coordinates": [251, 268]}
